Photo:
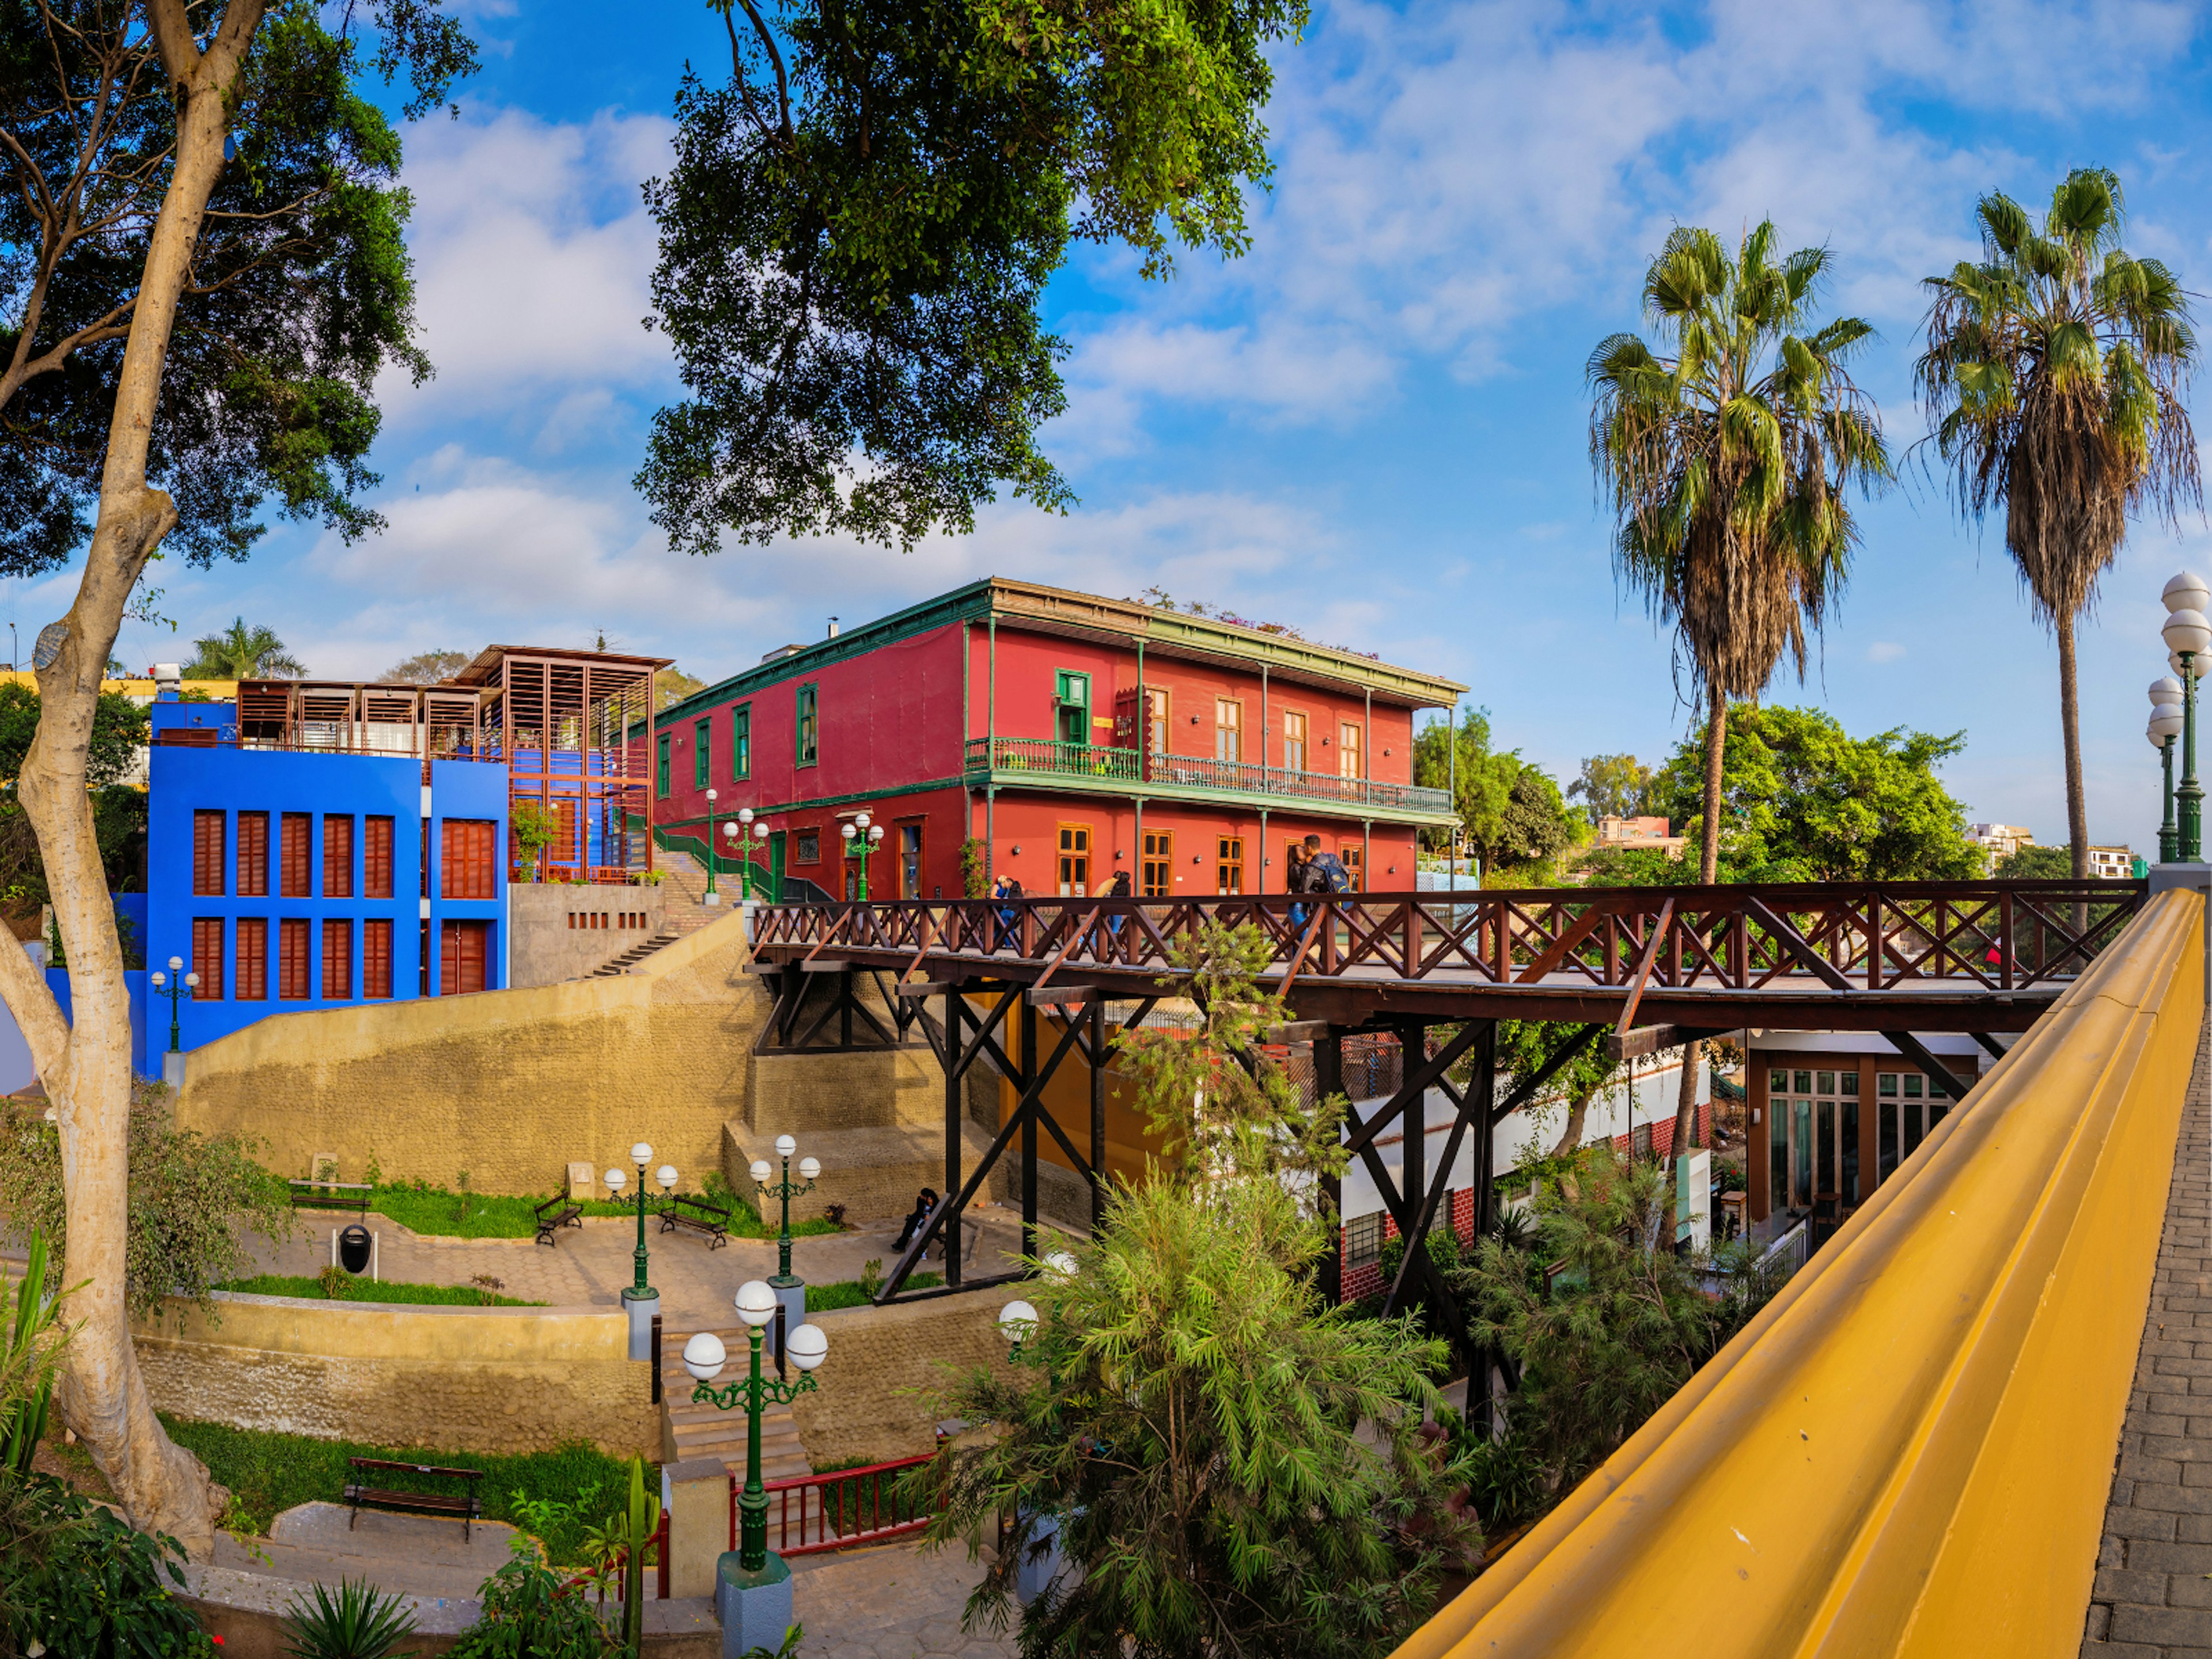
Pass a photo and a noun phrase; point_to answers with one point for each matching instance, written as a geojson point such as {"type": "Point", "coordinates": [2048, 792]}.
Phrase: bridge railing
{"type": "Point", "coordinates": [1864, 935]}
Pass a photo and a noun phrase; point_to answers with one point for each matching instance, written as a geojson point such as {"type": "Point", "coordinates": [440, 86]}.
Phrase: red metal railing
{"type": "Point", "coordinates": [837, 1511]}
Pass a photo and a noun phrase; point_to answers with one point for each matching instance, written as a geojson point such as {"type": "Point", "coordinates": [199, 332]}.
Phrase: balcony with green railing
{"type": "Point", "coordinates": [1008, 761]}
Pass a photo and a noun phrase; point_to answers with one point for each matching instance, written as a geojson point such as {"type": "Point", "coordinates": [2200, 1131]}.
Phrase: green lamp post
{"type": "Point", "coordinates": [640, 1300]}
{"type": "Point", "coordinates": [2187, 634]}
{"type": "Point", "coordinates": [2166, 724]}
{"type": "Point", "coordinates": [861, 839]}
{"type": "Point", "coordinates": [713, 898]}
{"type": "Point", "coordinates": [704, 1357]}
{"type": "Point", "coordinates": [175, 990]}
{"type": "Point", "coordinates": [785, 1190]}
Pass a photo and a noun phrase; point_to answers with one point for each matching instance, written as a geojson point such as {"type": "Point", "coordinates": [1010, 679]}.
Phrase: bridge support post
{"type": "Point", "coordinates": [1329, 1079]}
{"type": "Point", "coordinates": [1413, 1125]}
{"type": "Point", "coordinates": [955, 1123]}
{"type": "Point", "coordinates": [1028, 1085]}
{"type": "Point", "coordinates": [1097, 1058]}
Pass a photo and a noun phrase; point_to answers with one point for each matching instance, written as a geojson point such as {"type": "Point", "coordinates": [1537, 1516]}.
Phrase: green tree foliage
{"type": "Point", "coordinates": [76, 1582]}
{"type": "Point", "coordinates": [1183, 1413]}
{"type": "Point", "coordinates": [299, 294]}
{"type": "Point", "coordinates": [1613, 785]}
{"type": "Point", "coordinates": [429, 667]}
{"type": "Point", "coordinates": [2053, 383]}
{"type": "Point", "coordinates": [1525, 1047]}
{"type": "Point", "coordinates": [1730, 465]}
{"type": "Point", "coordinates": [2034, 863]}
{"type": "Point", "coordinates": [1613, 1336]}
{"type": "Point", "coordinates": [1803, 800]}
{"type": "Point", "coordinates": [242, 652]}
{"type": "Point", "coordinates": [857, 234]}
{"type": "Point", "coordinates": [1510, 811]}
{"type": "Point", "coordinates": [120, 728]}
{"type": "Point", "coordinates": [194, 1200]}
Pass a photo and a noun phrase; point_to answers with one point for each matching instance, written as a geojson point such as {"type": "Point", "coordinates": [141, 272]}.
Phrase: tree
{"type": "Point", "coordinates": [1526, 1046]}
{"type": "Point", "coordinates": [857, 234]}
{"type": "Point", "coordinates": [1803, 800]}
{"type": "Point", "coordinates": [204, 277]}
{"type": "Point", "coordinates": [1510, 812]}
{"type": "Point", "coordinates": [1612, 786]}
{"type": "Point", "coordinates": [120, 728]}
{"type": "Point", "coordinates": [1729, 466]}
{"type": "Point", "coordinates": [426, 667]}
{"type": "Point", "coordinates": [239, 652]}
{"type": "Point", "coordinates": [671, 685]}
{"type": "Point", "coordinates": [2052, 385]}
{"type": "Point", "coordinates": [2034, 863]}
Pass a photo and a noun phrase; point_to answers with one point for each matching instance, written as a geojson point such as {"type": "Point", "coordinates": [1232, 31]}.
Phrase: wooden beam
{"type": "Point", "coordinates": [1067, 996]}
{"type": "Point", "coordinates": [1642, 969]}
{"type": "Point", "coordinates": [811, 966]}
{"type": "Point", "coordinates": [1297, 1030]}
{"type": "Point", "coordinates": [1938, 1073]}
{"type": "Point", "coordinates": [1653, 1039]}
{"type": "Point", "coordinates": [921, 990]}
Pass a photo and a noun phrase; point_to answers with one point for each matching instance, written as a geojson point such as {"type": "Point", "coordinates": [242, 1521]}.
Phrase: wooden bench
{"type": "Point", "coordinates": [554, 1213]}
{"type": "Point", "coordinates": [696, 1213]}
{"type": "Point", "coordinates": [465, 1503]}
{"type": "Point", "coordinates": [330, 1195]}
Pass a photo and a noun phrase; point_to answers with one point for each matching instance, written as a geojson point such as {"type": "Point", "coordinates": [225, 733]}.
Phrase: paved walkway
{"type": "Point", "coordinates": [2153, 1598]}
{"type": "Point", "coordinates": [593, 1262]}
{"type": "Point", "coordinates": [891, 1602]}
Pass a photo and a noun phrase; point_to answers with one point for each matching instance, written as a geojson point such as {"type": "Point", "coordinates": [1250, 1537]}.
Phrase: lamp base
{"type": "Point", "coordinates": [755, 1607]}
{"type": "Point", "coordinates": [710, 898]}
{"type": "Point", "coordinates": [641, 1309]}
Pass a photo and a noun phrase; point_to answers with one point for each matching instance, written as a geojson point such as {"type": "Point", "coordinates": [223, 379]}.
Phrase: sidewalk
{"type": "Point", "coordinates": [891, 1602]}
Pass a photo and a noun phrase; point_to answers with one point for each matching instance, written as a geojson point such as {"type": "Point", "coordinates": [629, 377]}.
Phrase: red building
{"type": "Point", "coordinates": [1067, 736]}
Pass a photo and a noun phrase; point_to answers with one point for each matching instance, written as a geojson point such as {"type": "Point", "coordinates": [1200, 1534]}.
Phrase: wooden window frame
{"type": "Point", "coordinates": [451, 932]}
{"type": "Point", "coordinates": [377, 935]}
{"type": "Point", "coordinates": [703, 751]}
{"type": "Point", "coordinates": [1162, 853]}
{"type": "Point", "coordinates": [1059, 851]}
{"type": "Point", "coordinates": [295, 854]}
{"type": "Point", "coordinates": [1167, 718]}
{"type": "Point", "coordinates": [336, 944]}
{"type": "Point", "coordinates": [295, 970]}
{"type": "Point", "coordinates": [1305, 739]}
{"type": "Point", "coordinates": [338, 855]}
{"type": "Point", "coordinates": [210, 864]}
{"type": "Point", "coordinates": [806, 725]}
{"type": "Point", "coordinates": [1223, 863]}
{"type": "Point", "coordinates": [249, 959]}
{"type": "Point", "coordinates": [741, 743]}
{"type": "Point", "coordinates": [921, 828]}
{"type": "Point", "coordinates": [383, 826]}
{"type": "Point", "coordinates": [464, 866]}
{"type": "Point", "coordinates": [1062, 679]}
{"type": "Point", "coordinates": [1352, 855]}
{"type": "Point", "coordinates": [252, 851]}
{"type": "Point", "coordinates": [662, 771]}
{"type": "Point", "coordinates": [800, 839]}
{"type": "Point", "coordinates": [1236, 703]}
{"type": "Point", "coordinates": [1353, 750]}
{"type": "Point", "coordinates": [211, 959]}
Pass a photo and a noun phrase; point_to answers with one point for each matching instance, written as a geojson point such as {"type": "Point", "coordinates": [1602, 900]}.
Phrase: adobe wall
{"type": "Point", "coordinates": [869, 1399]}
{"type": "Point", "coordinates": [448, 1379]}
{"type": "Point", "coordinates": [510, 1086]}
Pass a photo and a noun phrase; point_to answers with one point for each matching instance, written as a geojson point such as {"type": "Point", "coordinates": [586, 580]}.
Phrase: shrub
{"type": "Point", "coordinates": [359, 1622]}
{"type": "Point", "coordinates": [529, 1613]}
{"type": "Point", "coordinates": [76, 1579]}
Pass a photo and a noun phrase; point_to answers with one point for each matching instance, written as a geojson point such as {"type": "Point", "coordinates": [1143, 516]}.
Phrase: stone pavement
{"type": "Point", "coordinates": [894, 1601]}
{"type": "Point", "coordinates": [2153, 1598]}
{"type": "Point", "coordinates": [593, 1262]}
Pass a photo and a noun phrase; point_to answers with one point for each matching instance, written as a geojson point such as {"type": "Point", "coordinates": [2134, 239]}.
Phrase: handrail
{"type": "Point", "coordinates": [839, 1509]}
{"type": "Point", "coordinates": [1057, 758]}
{"type": "Point", "coordinates": [1993, 936]}
{"type": "Point", "coordinates": [1909, 1450]}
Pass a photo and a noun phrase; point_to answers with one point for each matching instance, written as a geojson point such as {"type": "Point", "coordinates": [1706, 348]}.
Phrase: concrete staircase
{"type": "Point", "coordinates": [629, 958]}
{"type": "Point", "coordinates": [696, 1430]}
{"type": "Point", "coordinates": [683, 910]}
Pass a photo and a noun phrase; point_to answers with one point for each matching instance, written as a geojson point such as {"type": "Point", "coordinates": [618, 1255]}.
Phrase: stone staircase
{"type": "Point", "coordinates": [684, 909]}
{"type": "Point", "coordinates": [696, 1430]}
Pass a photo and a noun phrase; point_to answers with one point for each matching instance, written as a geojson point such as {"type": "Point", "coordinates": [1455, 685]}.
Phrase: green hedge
{"type": "Point", "coordinates": [364, 1290]}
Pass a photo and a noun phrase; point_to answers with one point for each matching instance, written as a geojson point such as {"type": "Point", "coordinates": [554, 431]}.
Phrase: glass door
{"type": "Point", "coordinates": [1813, 1140]}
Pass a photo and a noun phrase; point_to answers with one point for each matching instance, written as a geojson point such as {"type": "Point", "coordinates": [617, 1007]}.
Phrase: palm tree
{"type": "Point", "coordinates": [2052, 382]}
{"type": "Point", "coordinates": [1728, 464]}
{"type": "Point", "coordinates": [239, 652]}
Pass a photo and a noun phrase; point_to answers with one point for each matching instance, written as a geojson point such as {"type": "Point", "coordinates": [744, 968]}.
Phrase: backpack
{"type": "Point", "coordinates": [1334, 879]}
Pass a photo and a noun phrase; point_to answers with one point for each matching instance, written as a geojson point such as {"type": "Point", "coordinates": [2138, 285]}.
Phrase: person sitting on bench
{"type": "Point", "coordinates": [924, 1202]}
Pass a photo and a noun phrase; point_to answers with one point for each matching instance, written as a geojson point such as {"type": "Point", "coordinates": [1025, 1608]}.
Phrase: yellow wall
{"type": "Point", "coordinates": [447, 1379]}
{"type": "Point", "coordinates": [872, 1393]}
{"type": "Point", "coordinates": [1910, 1450]}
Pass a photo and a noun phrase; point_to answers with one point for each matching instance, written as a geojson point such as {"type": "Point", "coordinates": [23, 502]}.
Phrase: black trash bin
{"type": "Point", "coordinates": [353, 1248]}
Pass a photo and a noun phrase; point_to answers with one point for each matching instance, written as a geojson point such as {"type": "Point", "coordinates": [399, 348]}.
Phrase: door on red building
{"type": "Point", "coordinates": [1812, 1138]}
{"type": "Point", "coordinates": [1159, 863]}
{"type": "Point", "coordinates": [909, 858]}
{"type": "Point", "coordinates": [464, 950]}
{"type": "Point", "coordinates": [1074, 860]}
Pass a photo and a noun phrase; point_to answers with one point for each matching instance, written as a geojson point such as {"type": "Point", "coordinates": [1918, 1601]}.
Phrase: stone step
{"type": "Point", "coordinates": [701, 1431]}
{"type": "Point", "coordinates": [637, 953]}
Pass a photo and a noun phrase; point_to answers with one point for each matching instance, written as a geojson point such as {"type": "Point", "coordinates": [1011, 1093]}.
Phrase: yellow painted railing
{"type": "Point", "coordinates": [1911, 1448]}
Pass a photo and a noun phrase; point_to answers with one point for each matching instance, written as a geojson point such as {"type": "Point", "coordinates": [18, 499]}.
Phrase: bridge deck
{"type": "Point", "coordinates": [2153, 1589]}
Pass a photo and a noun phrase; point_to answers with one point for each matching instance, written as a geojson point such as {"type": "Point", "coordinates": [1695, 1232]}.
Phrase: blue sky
{"type": "Point", "coordinates": [1371, 427]}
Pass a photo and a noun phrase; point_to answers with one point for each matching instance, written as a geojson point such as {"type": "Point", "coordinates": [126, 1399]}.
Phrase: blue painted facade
{"type": "Point", "coordinates": [184, 779]}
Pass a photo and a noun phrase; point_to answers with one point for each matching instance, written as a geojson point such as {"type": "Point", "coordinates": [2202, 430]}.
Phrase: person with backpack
{"type": "Point", "coordinates": [1325, 870]}
{"type": "Point", "coordinates": [1294, 881]}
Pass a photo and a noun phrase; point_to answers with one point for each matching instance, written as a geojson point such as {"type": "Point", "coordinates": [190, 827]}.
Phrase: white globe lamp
{"type": "Point", "coordinates": [756, 1302]}
{"type": "Point", "coordinates": [2186, 592]}
{"type": "Point", "coordinates": [704, 1356]}
{"type": "Point", "coordinates": [806, 1348]}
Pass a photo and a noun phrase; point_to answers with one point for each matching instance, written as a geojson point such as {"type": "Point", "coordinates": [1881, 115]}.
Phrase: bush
{"type": "Point", "coordinates": [78, 1580]}
{"type": "Point", "coordinates": [529, 1614]}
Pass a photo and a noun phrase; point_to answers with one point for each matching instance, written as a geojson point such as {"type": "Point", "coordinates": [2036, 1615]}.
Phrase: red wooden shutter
{"type": "Point", "coordinates": [207, 854]}
{"type": "Point", "coordinates": [338, 855]}
{"type": "Point", "coordinates": [253, 856]}
{"type": "Point", "coordinates": [292, 958]}
{"type": "Point", "coordinates": [467, 846]}
{"type": "Point", "coordinates": [297, 831]}
{"type": "Point", "coordinates": [251, 981]}
{"type": "Point", "coordinates": [207, 957]}
{"type": "Point", "coordinates": [376, 866]}
{"type": "Point", "coordinates": [376, 955]}
{"type": "Point", "coordinates": [462, 950]}
{"type": "Point", "coordinates": [337, 958]}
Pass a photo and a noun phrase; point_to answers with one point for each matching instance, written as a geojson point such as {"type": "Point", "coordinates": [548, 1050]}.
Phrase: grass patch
{"type": "Point", "coordinates": [848, 1294]}
{"type": "Point", "coordinates": [363, 1290]}
{"type": "Point", "coordinates": [432, 1211]}
{"type": "Point", "coordinates": [270, 1472]}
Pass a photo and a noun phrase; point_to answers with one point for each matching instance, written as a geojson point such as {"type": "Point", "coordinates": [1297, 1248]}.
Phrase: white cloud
{"type": "Point", "coordinates": [1884, 651]}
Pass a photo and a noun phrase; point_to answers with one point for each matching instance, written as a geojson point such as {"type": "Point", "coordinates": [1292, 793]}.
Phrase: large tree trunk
{"type": "Point", "coordinates": [86, 1065]}
{"type": "Point", "coordinates": [2070, 720]}
{"type": "Point", "coordinates": [1572, 1136]}
{"type": "Point", "coordinates": [1685, 1101]}
{"type": "Point", "coordinates": [1709, 855]}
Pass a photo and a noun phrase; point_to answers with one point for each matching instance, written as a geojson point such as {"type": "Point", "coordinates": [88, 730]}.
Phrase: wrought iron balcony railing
{"type": "Point", "coordinates": [1052, 758]}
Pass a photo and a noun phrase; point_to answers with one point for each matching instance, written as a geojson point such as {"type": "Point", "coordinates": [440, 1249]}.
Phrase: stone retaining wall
{"type": "Point", "coordinates": [487, 1379]}
{"type": "Point", "coordinates": [869, 1401]}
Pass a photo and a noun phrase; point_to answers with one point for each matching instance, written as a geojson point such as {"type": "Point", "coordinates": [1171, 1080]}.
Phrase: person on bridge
{"type": "Point", "coordinates": [1324, 871]}
{"type": "Point", "coordinates": [1295, 880]}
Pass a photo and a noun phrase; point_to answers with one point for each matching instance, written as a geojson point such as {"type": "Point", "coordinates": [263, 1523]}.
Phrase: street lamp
{"type": "Point", "coordinates": [2186, 635]}
{"type": "Point", "coordinates": [189, 983]}
{"type": "Point", "coordinates": [809, 1170]}
{"type": "Point", "coordinates": [641, 1155]}
{"type": "Point", "coordinates": [704, 1357]}
{"type": "Point", "coordinates": [2166, 724]}
{"type": "Point", "coordinates": [713, 898]}
{"type": "Point", "coordinates": [738, 835]}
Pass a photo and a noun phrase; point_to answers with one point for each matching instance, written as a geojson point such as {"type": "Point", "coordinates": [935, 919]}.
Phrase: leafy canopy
{"type": "Point", "coordinates": [426, 667]}
{"type": "Point", "coordinates": [300, 291]}
{"type": "Point", "coordinates": [1511, 813]}
{"type": "Point", "coordinates": [858, 230]}
{"type": "Point", "coordinates": [242, 652]}
{"type": "Point", "coordinates": [1613, 785]}
{"type": "Point", "coordinates": [2052, 383]}
{"type": "Point", "coordinates": [1727, 463]}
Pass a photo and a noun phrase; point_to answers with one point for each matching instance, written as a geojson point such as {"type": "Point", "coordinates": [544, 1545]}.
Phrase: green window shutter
{"type": "Point", "coordinates": [702, 748]}
{"type": "Point", "coordinates": [809, 725]}
{"type": "Point", "coordinates": [741, 743]}
{"type": "Point", "coordinates": [661, 770]}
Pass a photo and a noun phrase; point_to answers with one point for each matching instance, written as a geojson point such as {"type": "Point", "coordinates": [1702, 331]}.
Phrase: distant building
{"type": "Point", "coordinates": [1639, 832]}
{"type": "Point", "coordinates": [2112, 863]}
{"type": "Point", "coordinates": [1999, 840]}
